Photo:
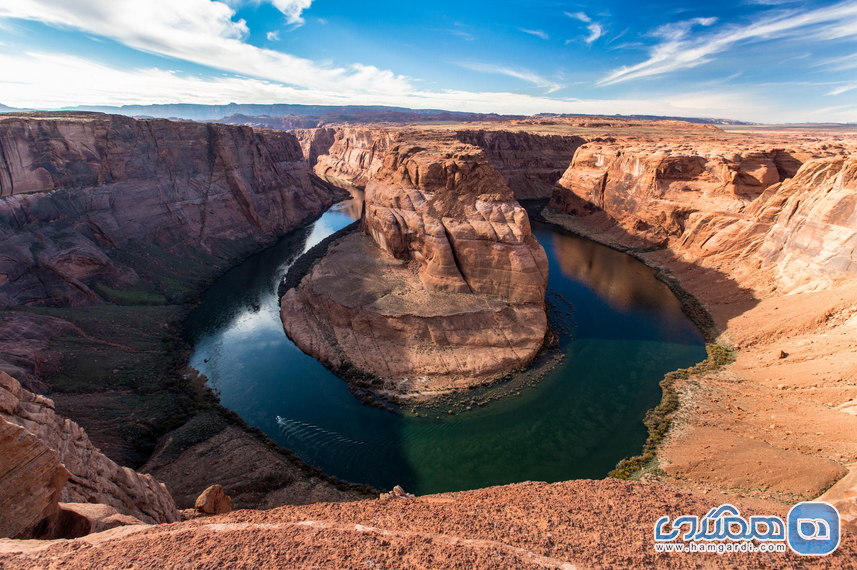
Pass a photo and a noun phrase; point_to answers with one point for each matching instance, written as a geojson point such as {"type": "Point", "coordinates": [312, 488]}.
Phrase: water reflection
{"type": "Point", "coordinates": [625, 283]}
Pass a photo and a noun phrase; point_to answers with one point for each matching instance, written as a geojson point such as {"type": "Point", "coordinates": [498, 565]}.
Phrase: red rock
{"type": "Point", "coordinates": [94, 477]}
{"type": "Point", "coordinates": [93, 183]}
{"type": "Point", "coordinates": [448, 292]}
{"type": "Point", "coordinates": [213, 501]}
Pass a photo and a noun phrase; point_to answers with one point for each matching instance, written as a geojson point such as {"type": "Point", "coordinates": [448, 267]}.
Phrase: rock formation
{"type": "Point", "coordinates": [530, 163]}
{"type": "Point", "coordinates": [716, 205]}
{"type": "Point", "coordinates": [445, 289]}
{"type": "Point", "coordinates": [213, 501]}
{"type": "Point", "coordinates": [79, 187]}
{"type": "Point", "coordinates": [353, 154]}
{"type": "Point", "coordinates": [31, 478]}
{"type": "Point", "coordinates": [29, 421]}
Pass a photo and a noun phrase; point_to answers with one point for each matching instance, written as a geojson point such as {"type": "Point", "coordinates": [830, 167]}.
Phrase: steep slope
{"type": "Point", "coordinates": [530, 163]}
{"type": "Point", "coordinates": [78, 188]}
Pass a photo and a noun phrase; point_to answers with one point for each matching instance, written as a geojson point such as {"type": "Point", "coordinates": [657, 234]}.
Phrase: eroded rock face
{"type": "Point", "coordinates": [446, 287]}
{"type": "Point", "coordinates": [451, 212]}
{"type": "Point", "coordinates": [355, 154]}
{"type": "Point", "coordinates": [78, 187]}
{"type": "Point", "coordinates": [92, 477]}
{"type": "Point", "coordinates": [753, 209]}
{"type": "Point", "coordinates": [530, 163]}
{"type": "Point", "coordinates": [31, 478]}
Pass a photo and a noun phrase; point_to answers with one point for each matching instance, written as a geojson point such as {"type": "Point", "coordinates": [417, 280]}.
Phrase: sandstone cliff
{"type": "Point", "coordinates": [353, 154]}
{"type": "Point", "coordinates": [448, 292]}
{"type": "Point", "coordinates": [530, 163]}
{"type": "Point", "coordinates": [79, 187]}
{"type": "Point", "coordinates": [716, 206]}
{"type": "Point", "coordinates": [92, 477]}
{"type": "Point", "coordinates": [139, 214]}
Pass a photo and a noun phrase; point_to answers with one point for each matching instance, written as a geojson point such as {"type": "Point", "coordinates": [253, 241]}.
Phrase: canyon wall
{"type": "Point", "coordinates": [352, 154]}
{"type": "Point", "coordinates": [67, 453]}
{"type": "Point", "coordinates": [530, 163]}
{"type": "Point", "coordinates": [78, 187]}
{"type": "Point", "coordinates": [789, 213]}
{"type": "Point", "coordinates": [444, 289]}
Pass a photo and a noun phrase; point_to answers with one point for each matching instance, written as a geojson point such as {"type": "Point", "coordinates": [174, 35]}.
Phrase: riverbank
{"type": "Point", "coordinates": [761, 429]}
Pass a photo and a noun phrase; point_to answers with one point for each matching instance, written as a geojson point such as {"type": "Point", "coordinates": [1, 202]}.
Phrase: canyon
{"type": "Point", "coordinates": [105, 215]}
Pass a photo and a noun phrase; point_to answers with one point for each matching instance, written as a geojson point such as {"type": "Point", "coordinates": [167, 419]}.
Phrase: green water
{"type": "Point", "coordinates": [626, 331]}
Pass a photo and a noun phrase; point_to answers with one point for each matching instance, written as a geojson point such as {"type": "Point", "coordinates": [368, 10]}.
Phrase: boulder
{"type": "Point", "coordinates": [214, 501]}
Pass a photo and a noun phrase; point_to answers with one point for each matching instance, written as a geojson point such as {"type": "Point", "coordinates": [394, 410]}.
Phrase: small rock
{"type": "Point", "coordinates": [214, 501]}
{"type": "Point", "coordinates": [783, 354]}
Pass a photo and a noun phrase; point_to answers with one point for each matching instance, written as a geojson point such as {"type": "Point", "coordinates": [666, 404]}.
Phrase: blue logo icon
{"type": "Point", "coordinates": [813, 529]}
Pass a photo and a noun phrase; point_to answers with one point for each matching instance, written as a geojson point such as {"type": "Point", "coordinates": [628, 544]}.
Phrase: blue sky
{"type": "Point", "coordinates": [758, 60]}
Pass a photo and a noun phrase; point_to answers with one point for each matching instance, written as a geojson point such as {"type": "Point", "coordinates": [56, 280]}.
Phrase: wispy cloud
{"type": "Point", "coordinates": [537, 33]}
{"type": "Point", "coordinates": [843, 89]}
{"type": "Point", "coordinates": [522, 74]}
{"type": "Point", "coordinates": [291, 9]}
{"type": "Point", "coordinates": [273, 36]}
{"type": "Point", "coordinates": [596, 30]}
{"type": "Point", "coordinates": [679, 49]}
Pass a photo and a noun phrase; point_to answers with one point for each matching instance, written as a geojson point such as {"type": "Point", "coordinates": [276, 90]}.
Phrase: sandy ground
{"type": "Point", "coordinates": [572, 525]}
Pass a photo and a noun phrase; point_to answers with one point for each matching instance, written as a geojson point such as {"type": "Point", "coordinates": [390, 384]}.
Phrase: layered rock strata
{"type": "Point", "coordinates": [530, 163]}
{"type": "Point", "coordinates": [76, 188]}
{"type": "Point", "coordinates": [753, 208]}
{"type": "Point", "coordinates": [67, 452]}
{"type": "Point", "coordinates": [443, 289]}
{"type": "Point", "coordinates": [765, 239]}
{"type": "Point", "coordinates": [353, 154]}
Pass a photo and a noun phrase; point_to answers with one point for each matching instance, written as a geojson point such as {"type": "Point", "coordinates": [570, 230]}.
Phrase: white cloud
{"type": "Point", "coordinates": [595, 32]}
{"type": "Point", "coordinates": [537, 33]}
{"type": "Point", "coordinates": [523, 74]}
{"type": "Point", "coordinates": [680, 50]}
{"type": "Point", "coordinates": [579, 16]}
{"type": "Point", "coordinates": [44, 80]}
{"type": "Point", "coordinates": [843, 89]}
{"type": "Point", "coordinates": [595, 29]}
{"type": "Point", "coordinates": [273, 36]}
{"type": "Point", "coordinates": [202, 32]}
{"type": "Point", "coordinates": [292, 9]}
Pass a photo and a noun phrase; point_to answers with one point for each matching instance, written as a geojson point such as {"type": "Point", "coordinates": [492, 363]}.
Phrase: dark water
{"type": "Point", "coordinates": [627, 332]}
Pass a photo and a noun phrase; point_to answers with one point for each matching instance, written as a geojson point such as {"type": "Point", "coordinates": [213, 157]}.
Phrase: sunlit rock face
{"type": "Point", "coordinates": [783, 216]}
{"type": "Point", "coordinates": [30, 430]}
{"type": "Point", "coordinates": [443, 289]}
{"type": "Point", "coordinates": [78, 187]}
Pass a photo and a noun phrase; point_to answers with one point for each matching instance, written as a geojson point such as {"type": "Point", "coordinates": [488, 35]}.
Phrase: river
{"type": "Point", "coordinates": [624, 330]}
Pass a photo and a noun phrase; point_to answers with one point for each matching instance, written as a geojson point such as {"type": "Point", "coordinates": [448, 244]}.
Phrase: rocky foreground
{"type": "Point", "coordinates": [583, 525]}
